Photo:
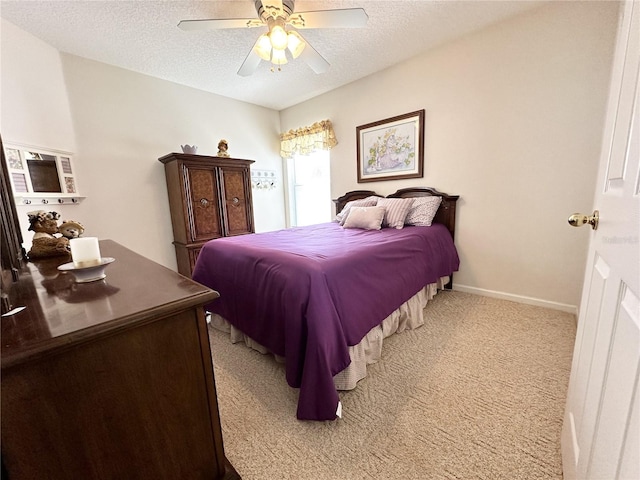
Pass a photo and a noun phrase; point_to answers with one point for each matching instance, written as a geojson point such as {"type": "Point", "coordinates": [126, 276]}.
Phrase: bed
{"type": "Point", "coordinates": [322, 297]}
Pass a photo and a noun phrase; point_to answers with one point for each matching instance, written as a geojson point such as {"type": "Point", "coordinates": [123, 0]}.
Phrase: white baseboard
{"type": "Point", "coordinates": [517, 298]}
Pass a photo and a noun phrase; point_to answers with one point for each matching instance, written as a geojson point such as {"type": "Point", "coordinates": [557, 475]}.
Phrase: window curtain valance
{"type": "Point", "coordinates": [306, 140]}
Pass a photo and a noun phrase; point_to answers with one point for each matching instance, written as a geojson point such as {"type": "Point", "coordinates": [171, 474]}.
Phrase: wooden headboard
{"type": "Point", "coordinates": [446, 213]}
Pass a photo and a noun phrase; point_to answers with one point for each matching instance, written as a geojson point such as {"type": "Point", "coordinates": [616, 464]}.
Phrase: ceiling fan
{"type": "Point", "coordinates": [282, 36]}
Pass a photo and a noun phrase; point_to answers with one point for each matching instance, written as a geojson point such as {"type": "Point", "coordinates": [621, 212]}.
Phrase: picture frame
{"type": "Point", "coordinates": [391, 149]}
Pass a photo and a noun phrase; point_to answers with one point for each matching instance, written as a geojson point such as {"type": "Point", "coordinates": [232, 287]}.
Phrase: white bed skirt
{"type": "Point", "coordinates": [410, 315]}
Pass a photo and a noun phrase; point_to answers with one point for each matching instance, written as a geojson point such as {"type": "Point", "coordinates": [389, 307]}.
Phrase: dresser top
{"type": "Point", "coordinates": [60, 313]}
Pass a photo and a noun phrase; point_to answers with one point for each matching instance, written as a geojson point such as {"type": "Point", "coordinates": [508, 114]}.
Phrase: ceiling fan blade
{"type": "Point", "coordinates": [345, 18]}
{"type": "Point", "coordinates": [250, 64]}
{"type": "Point", "coordinates": [218, 24]}
{"type": "Point", "coordinates": [316, 61]}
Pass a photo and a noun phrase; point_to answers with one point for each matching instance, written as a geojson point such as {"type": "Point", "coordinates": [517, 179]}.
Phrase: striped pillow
{"type": "Point", "coordinates": [423, 211]}
{"type": "Point", "coordinates": [396, 210]}
{"type": "Point", "coordinates": [365, 202]}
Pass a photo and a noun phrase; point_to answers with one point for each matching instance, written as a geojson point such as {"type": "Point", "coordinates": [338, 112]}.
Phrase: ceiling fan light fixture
{"type": "Point", "coordinates": [263, 47]}
{"type": "Point", "coordinates": [295, 43]}
{"type": "Point", "coordinates": [277, 34]}
{"type": "Point", "coordinates": [278, 57]}
{"type": "Point", "coordinates": [278, 38]}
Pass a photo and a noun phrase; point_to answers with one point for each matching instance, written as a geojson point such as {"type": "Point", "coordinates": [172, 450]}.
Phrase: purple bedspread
{"type": "Point", "coordinates": [308, 293]}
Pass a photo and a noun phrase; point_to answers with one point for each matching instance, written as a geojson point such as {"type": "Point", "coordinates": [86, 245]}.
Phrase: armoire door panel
{"type": "Point", "coordinates": [238, 215]}
{"type": "Point", "coordinates": [193, 256]}
{"type": "Point", "coordinates": [204, 204]}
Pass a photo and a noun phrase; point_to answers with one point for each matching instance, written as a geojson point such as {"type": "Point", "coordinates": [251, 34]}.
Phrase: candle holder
{"type": "Point", "coordinates": [89, 273]}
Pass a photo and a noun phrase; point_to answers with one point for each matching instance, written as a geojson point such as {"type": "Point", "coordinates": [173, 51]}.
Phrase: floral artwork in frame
{"type": "Point", "coordinates": [391, 149]}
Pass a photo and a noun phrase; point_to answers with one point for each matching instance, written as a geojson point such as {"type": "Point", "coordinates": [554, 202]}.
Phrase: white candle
{"type": "Point", "coordinates": [85, 251]}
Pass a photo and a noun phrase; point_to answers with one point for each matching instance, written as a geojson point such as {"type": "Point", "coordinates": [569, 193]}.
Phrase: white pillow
{"type": "Point", "coordinates": [396, 210]}
{"type": "Point", "coordinates": [364, 202]}
{"type": "Point", "coordinates": [423, 211]}
{"type": "Point", "coordinates": [368, 218]}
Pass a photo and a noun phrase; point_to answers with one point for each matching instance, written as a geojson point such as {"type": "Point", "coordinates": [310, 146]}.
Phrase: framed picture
{"type": "Point", "coordinates": [391, 149]}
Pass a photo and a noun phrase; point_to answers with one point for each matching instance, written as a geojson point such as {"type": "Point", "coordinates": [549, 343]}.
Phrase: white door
{"type": "Point", "coordinates": [601, 431]}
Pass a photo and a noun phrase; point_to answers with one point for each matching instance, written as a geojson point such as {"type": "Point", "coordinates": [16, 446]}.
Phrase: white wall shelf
{"type": "Point", "coordinates": [44, 199]}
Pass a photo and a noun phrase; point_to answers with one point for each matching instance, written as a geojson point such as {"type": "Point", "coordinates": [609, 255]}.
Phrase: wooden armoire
{"type": "Point", "coordinates": [209, 197]}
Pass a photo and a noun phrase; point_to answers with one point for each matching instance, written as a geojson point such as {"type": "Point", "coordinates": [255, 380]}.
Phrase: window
{"type": "Point", "coordinates": [306, 151]}
{"type": "Point", "coordinates": [309, 188]}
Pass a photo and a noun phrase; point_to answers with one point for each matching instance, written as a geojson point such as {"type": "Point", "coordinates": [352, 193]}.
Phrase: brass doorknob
{"type": "Point", "coordinates": [579, 219]}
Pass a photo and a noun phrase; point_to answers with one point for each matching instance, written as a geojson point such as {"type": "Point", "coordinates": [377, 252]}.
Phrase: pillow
{"type": "Point", "coordinates": [423, 211]}
{"type": "Point", "coordinates": [365, 202]}
{"type": "Point", "coordinates": [396, 210]}
{"type": "Point", "coordinates": [369, 218]}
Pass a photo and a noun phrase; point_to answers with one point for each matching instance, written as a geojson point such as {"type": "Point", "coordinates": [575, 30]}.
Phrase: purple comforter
{"type": "Point", "coordinates": [308, 293]}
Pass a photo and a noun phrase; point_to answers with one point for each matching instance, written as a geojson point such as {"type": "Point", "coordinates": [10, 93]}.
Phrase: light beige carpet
{"type": "Point", "coordinates": [476, 393]}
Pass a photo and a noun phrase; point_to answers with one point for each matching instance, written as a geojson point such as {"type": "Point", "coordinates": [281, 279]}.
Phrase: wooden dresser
{"type": "Point", "coordinates": [209, 197]}
{"type": "Point", "coordinates": [109, 379]}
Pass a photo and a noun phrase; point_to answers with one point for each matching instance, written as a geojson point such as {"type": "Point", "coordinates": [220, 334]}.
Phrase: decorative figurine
{"type": "Point", "coordinates": [45, 242]}
{"type": "Point", "coordinates": [192, 149]}
{"type": "Point", "coordinates": [71, 229]}
{"type": "Point", "coordinates": [223, 146]}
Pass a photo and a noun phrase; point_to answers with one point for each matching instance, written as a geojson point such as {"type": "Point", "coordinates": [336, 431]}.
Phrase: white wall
{"type": "Point", "coordinates": [34, 106]}
{"type": "Point", "coordinates": [514, 116]}
{"type": "Point", "coordinates": [123, 122]}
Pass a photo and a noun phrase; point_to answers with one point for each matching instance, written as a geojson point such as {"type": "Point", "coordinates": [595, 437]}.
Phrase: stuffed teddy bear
{"type": "Point", "coordinates": [45, 243]}
{"type": "Point", "coordinates": [71, 229]}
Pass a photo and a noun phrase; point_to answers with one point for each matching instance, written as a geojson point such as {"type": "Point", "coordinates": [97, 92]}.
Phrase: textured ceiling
{"type": "Point", "coordinates": [142, 36]}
